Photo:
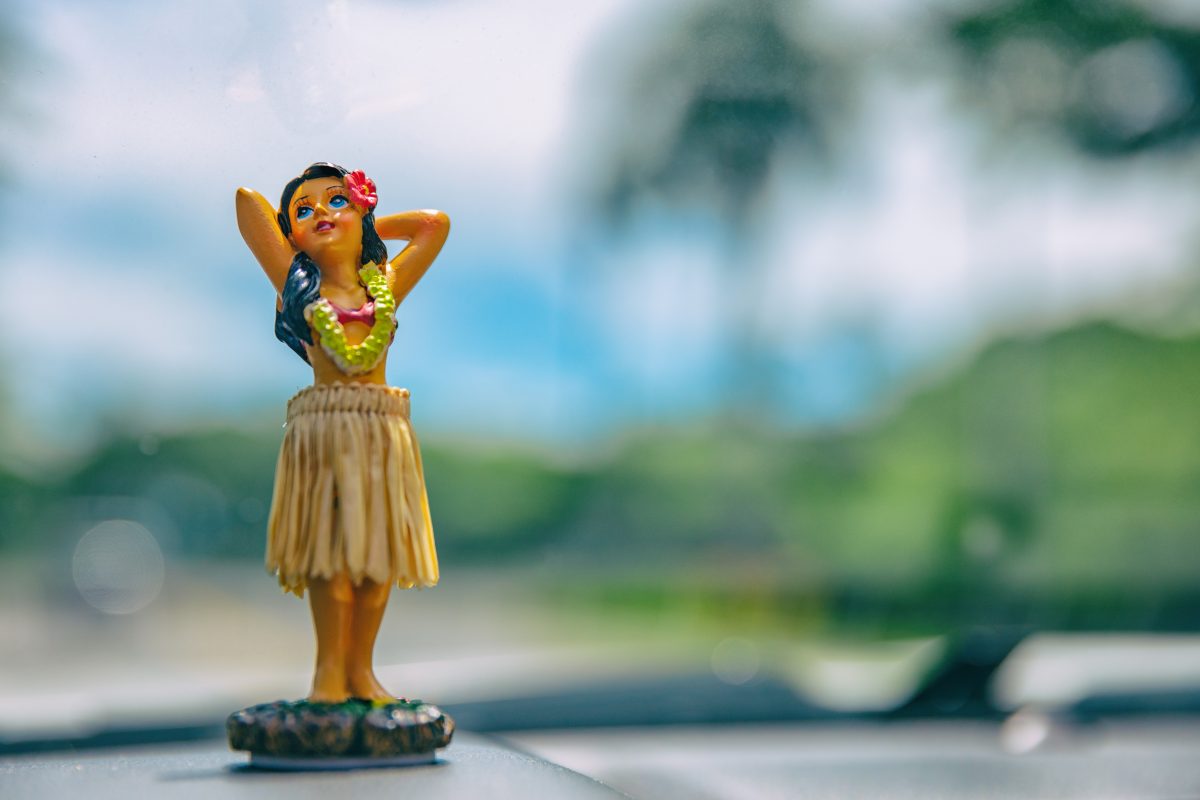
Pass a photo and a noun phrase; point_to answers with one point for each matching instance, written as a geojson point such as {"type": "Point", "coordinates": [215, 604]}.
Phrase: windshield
{"type": "Point", "coordinates": [777, 345]}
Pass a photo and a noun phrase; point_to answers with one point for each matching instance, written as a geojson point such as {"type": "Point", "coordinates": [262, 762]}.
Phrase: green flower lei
{"type": "Point", "coordinates": [355, 359]}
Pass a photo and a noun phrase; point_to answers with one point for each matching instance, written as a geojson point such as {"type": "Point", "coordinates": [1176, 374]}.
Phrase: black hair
{"type": "Point", "coordinates": [303, 284]}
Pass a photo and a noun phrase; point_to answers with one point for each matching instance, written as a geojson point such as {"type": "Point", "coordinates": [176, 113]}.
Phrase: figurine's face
{"type": "Point", "coordinates": [324, 221]}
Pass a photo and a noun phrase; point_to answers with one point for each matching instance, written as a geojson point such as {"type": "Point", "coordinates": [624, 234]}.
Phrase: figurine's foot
{"type": "Point", "coordinates": [365, 686]}
{"type": "Point", "coordinates": [329, 686]}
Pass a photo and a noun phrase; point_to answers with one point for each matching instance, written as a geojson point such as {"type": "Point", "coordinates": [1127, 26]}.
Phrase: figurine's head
{"type": "Point", "coordinates": [318, 217]}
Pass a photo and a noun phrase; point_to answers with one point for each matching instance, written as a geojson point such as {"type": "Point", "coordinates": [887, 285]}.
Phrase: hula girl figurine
{"type": "Point", "coordinates": [349, 517]}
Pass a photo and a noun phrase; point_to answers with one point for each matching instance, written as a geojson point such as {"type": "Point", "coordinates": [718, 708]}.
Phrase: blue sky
{"type": "Point", "coordinates": [134, 301]}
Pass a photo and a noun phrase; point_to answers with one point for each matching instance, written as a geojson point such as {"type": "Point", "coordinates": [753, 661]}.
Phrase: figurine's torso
{"type": "Point", "coordinates": [351, 344]}
{"type": "Point", "coordinates": [326, 371]}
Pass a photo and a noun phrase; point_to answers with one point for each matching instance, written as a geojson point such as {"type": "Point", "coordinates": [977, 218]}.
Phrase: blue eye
{"type": "Point", "coordinates": [303, 212]}
{"type": "Point", "coordinates": [338, 201]}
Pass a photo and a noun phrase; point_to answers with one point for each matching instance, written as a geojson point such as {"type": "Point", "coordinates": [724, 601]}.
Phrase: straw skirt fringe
{"type": "Point", "coordinates": [350, 491]}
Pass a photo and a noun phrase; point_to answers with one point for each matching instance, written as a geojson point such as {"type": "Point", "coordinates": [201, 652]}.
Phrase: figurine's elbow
{"type": "Point", "coordinates": [245, 198]}
{"type": "Point", "coordinates": [437, 219]}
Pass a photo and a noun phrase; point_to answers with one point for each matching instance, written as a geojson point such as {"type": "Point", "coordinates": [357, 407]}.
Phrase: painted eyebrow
{"type": "Point", "coordinates": [298, 199]}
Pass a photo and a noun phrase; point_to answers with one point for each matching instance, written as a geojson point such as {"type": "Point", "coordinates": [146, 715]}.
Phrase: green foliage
{"type": "Point", "coordinates": [490, 504]}
{"type": "Point", "coordinates": [1037, 484]}
{"type": "Point", "coordinates": [1043, 482]}
{"type": "Point", "coordinates": [21, 502]}
{"type": "Point", "coordinates": [203, 493]}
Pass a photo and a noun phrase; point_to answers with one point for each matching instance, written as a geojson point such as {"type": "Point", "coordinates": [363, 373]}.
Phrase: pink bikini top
{"type": "Point", "coordinates": [365, 315]}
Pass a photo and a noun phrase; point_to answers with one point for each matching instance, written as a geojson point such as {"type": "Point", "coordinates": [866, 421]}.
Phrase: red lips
{"type": "Point", "coordinates": [324, 225]}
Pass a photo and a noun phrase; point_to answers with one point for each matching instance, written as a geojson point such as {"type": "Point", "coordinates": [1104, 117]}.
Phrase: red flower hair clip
{"type": "Point", "coordinates": [362, 190]}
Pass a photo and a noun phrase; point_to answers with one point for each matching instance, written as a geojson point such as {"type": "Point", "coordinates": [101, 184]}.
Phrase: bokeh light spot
{"type": "Point", "coordinates": [118, 567]}
{"type": "Point", "coordinates": [1134, 87]}
{"type": "Point", "coordinates": [735, 661]}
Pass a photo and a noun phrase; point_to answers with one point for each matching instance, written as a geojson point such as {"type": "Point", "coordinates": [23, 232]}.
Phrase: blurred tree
{"type": "Point", "coordinates": [725, 91]}
{"type": "Point", "coordinates": [1113, 78]}
{"type": "Point", "coordinates": [13, 55]}
{"type": "Point", "coordinates": [14, 491]}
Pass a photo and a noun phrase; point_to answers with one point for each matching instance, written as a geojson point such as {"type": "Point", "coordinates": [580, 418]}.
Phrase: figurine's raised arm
{"type": "Point", "coordinates": [260, 228]}
{"type": "Point", "coordinates": [426, 232]}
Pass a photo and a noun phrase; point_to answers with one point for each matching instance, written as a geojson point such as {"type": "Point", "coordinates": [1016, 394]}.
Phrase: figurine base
{"type": "Point", "coordinates": [299, 735]}
{"type": "Point", "coordinates": [302, 764]}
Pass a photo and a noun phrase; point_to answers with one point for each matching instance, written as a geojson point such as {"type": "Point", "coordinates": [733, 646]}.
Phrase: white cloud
{"type": "Point", "coordinates": [92, 336]}
{"type": "Point", "coordinates": [935, 243]}
{"type": "Point", "coordinates": [663, 308]}
{"type": "Point", "coordinates": [468, 97]}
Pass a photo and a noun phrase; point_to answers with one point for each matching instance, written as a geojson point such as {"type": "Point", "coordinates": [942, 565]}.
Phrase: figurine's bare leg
{"type": "Point", "coordinates": [370, 601]}
{"type": "Point", "coordinates": [332, 609]}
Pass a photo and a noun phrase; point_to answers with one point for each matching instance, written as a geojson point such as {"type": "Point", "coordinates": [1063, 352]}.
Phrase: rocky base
{"type": "Point", "coordinates": [354, 730]}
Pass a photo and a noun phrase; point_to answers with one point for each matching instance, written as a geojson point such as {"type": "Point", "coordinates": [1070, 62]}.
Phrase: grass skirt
{"type": "Point", "coordinates": [350, 492]}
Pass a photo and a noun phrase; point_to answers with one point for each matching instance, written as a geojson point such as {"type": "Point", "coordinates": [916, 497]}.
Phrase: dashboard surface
{"type": "Point", "coordinates": [1024, 757]}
